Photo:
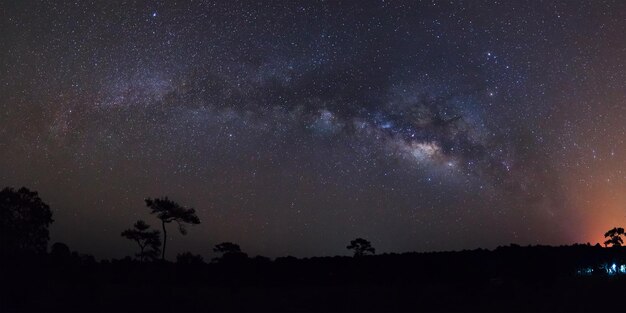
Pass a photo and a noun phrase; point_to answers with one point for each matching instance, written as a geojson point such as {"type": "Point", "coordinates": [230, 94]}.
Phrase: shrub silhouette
{"type": "Point", "coordinates": [188, 258]}
{"type": "Point", "coordinates": [361, 247]}
{"type": "Point", "coordinates": [60, 250]}
{"type": "Point", "coordinates": [231, 252]}
{"type": "Point", "coordinates": [169, 211]}
{"type": "Point", "coordinates": [227, 247]}
{"type": "Point", "coordinates": [24, 221]}
{"type": "Point", "coordinates": [145, 239]}
{"type": "Point", "coordinates": [614, 237]}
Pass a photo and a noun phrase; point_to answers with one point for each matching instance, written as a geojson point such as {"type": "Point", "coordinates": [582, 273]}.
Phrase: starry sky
{"type": "Point", "coordinates": [295, 126]}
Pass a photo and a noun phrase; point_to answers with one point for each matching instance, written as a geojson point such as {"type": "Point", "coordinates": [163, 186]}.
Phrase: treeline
{"type": "Point", "coordinates": [25, 218]}
{"type": "Point", "coordinates": [510, 278]}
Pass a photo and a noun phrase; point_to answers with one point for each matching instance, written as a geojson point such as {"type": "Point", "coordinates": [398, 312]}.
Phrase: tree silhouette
{"type": "Point", "coordinates": [144, 238]}
{"type": "Point", "coordinates": [227, 247]}
{"type": "Point", "coordinates": [614, 237]}
{"type": "Point", "coordinates": [169, 211]}
{"type": "Point", "coordinates": [231, 252]}
{"type": "Point", "coordinates": [24, 221]}
{"type": "Point", "coordinates": [361, 247]}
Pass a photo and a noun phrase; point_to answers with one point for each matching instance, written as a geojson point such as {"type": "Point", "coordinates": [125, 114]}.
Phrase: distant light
{"type": "Point", "coordinates": [154, 14]}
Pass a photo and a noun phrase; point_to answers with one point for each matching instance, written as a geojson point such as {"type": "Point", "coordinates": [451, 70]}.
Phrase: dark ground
{"type": "Point", "coordinates": [512, 279]}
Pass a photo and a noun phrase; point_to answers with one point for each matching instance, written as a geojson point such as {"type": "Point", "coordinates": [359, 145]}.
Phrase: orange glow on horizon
{"type": "Point", "coordinates": [606, 210]}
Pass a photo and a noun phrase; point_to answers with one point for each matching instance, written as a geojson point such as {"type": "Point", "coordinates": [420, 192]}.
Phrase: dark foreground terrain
{"type": "Point", "coordinates": [564, 279]}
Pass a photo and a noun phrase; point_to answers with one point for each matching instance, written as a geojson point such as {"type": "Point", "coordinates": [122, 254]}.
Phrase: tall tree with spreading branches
{"type": "Point", "coordinates": [169, 211]}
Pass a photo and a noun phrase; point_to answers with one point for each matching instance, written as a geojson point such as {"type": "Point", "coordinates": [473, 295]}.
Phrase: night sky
{"type": "Point", "coordinates": [295, 126]}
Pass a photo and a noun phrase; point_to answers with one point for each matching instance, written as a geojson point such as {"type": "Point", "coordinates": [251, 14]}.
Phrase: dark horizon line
{"type": "Point", "coordinates": [510, 245]}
